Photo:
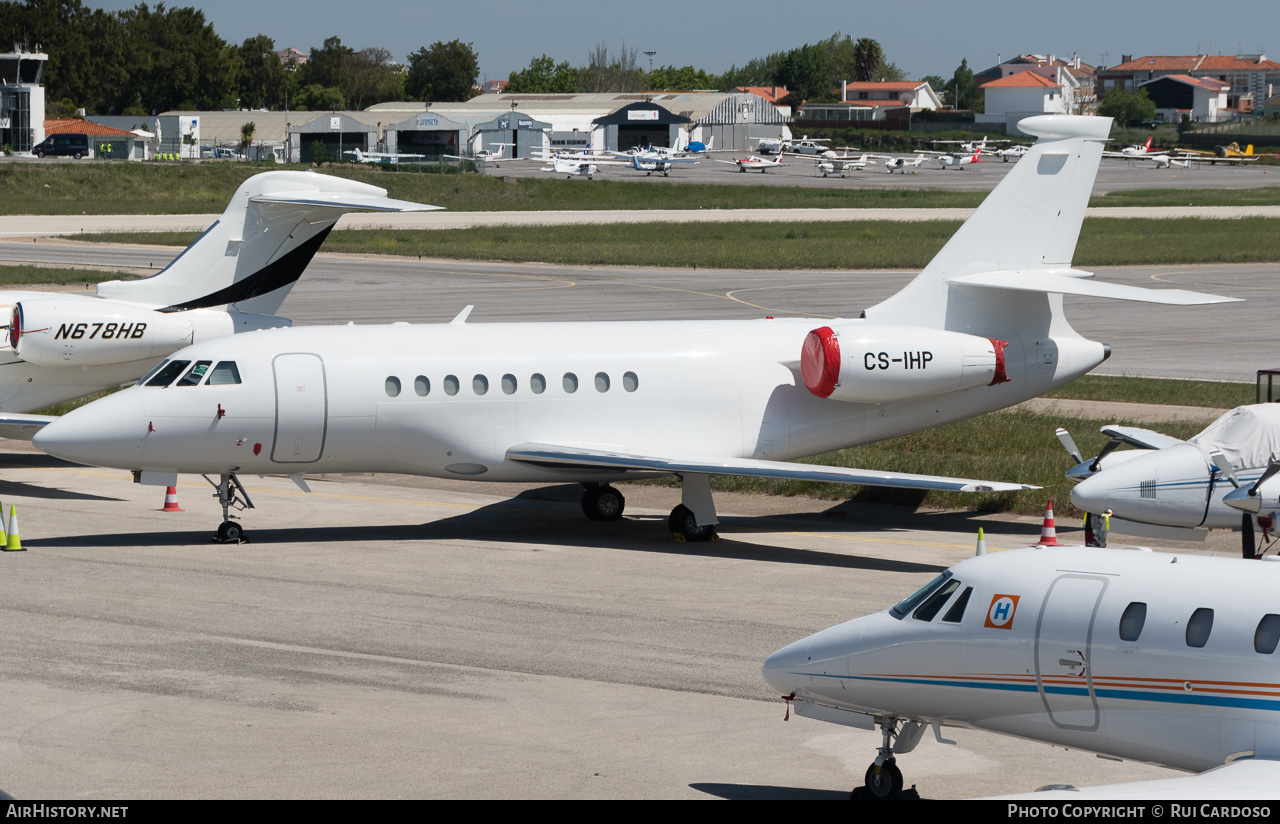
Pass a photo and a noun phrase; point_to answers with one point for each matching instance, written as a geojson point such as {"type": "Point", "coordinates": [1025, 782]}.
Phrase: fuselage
{"type": "Point", "coordinates": [1169, 659]}
{"type": "Point", "coordinates": [449, 400]}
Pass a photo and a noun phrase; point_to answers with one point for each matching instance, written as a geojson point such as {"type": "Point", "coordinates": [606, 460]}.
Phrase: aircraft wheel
{"type": "Point", "coordinates": [603, 503]}
{"type": "Point", "coordinates": [885, 785]}
{"type": "Point", "coordinates": [683, 523]}
{"type": "Point", "coordinates": [230, 533]}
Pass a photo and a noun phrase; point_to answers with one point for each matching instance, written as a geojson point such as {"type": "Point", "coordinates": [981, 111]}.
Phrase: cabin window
{"type": "Point", "coordinates": [422, 386]}
{"type": "Point", "coordinates": [602, 382]}
{"type": "Point", "coordinates": [1199, 627]}
{"type": "Point", "coordinates": [537, 383]}
{"type": "Point", "coordinates": [165, 376]}
{"type": "Point", "coordinates": [630, 382]}
{"type": "Point", "coordinates": [1267, 634]}
{"type": "Point", "coordinates": [1132, 621]}
{"type": "Point", "coordinates": [509, 384]}
{"type": "Point", "coordinates": [224, 374]}
{"type": "Point", "coordinates": [933, 605]}
{"type": "Point", "coordinates": [195, 374]}
{"type": "Point", "coordinates": [956, 613]}
{"type": "Point", "coordinates": [393, 386]}
{"type": "Point", "coordinates": [451, 385]}
{"type": "Point", "coordinates": [903, 608]}
{"type": "Point", "coordinates": [570, 382]}
{"type": "Point", "coordinates": [479, 384]}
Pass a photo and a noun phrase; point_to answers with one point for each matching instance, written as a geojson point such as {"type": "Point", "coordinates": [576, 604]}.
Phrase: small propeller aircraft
{"type": "Point", "coordinates": [650, 163]}
{"type": "Point", "coordinates": [580, 164]}
{"type": "Point", "coordinates": [901, 164]}
{"type": "Point", "coordinates": [752, 162]}
{"type": "Point", "coordinates": [1177, 490]}
{"type": "Point", "coordinates": [383, 157]}
{"type": "Point", "coordinates": [959, 161]}
{"type": "Point", "coordinates": [1168, 659]}
{"type": "Point", "coordinates": [981, 328]}
{"type": "Point", "coordinates": [491, 155]}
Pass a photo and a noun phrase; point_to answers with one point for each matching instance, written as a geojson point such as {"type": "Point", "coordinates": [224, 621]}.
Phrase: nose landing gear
{"type": "Point", "coordinates": [884, 780]}
{"type": "Point", "coordinates": [230, 493]}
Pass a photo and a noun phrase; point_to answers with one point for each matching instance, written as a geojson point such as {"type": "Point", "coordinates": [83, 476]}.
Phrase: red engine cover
{"type": "Point", "coordinates": [820, 361]}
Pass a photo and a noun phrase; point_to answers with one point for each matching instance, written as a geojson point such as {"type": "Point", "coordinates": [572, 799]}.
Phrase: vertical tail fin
{"type": "Point", "coordinates": [1029, 223]}
{"type": "Point", "coordinates": [252, 255]}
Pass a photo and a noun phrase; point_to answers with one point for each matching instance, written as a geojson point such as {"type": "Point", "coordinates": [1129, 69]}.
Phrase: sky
{"type": "Point", "coordinates": [922, 37]}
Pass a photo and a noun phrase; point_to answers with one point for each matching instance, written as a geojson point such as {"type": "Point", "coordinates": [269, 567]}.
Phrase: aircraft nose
{"type": "Point", "coordinates": [782, 669]}
{"type": "Point", "coordinates": [1092, 494]}
{"type": "Point", "coordinates": [1080, 472]}
{"type": "Point", "coordinates": [103, 433]}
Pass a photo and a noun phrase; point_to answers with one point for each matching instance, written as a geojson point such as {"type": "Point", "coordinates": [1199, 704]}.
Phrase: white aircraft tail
{"type": "Point", "coordinates": [1028, 225]}
{"type": "Point", "coordinates": [249, 259]}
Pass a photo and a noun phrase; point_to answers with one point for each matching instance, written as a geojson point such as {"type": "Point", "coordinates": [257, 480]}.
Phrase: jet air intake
{"type": "Point", "coordinates": [80, 331]}
{"type": "Point", "coordinates": [879, 364]}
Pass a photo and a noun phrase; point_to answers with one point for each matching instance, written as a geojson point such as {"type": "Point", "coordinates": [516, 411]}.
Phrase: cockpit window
{"type": "Point", "coordinates": [956, 613]}
{"type": "Point", "coordinates": [165, 376]}
{"type": "Point", "coordinates": [223, 374]}
{"type": "Point", "coordinates": [930, 608]}
{"type": "Point", "coordinates": [195, 374]}
{"type": "Point", "coordinates": [143, 380]}
{"type": "Point", "coordinates": [903, 608]}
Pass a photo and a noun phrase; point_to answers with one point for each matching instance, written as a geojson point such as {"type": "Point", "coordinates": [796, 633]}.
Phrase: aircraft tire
{"type": "Point", "coordinates": [885, 786]}
{"type": "Point", "coordinates": [603, 503]}
{"type": "Point", "coordinates": [230, 533]}
{"type": "Point", "coordinates": [682, 522]}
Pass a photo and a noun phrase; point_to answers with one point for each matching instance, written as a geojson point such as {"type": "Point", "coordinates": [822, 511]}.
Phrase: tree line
{"type": "Point", "coordinates": [146, 60]}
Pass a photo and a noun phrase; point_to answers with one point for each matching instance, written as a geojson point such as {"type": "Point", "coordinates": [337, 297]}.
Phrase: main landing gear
{"type": "Point", "coordinates": [884, 779]}
{"type": "Point", "coordinates": [693, 520]}
{"type": "Point", "coordinates": [231, 495]}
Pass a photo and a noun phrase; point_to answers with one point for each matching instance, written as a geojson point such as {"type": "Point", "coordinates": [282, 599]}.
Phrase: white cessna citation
{"type": "Point", "coordinates": [233, 278]}
{"type": "Point", "coordinates": [1177, 490]}
{"type": "Point", "coordinates": [1167, 659]}
{"type": "Point", "coordinates": [981, 328]}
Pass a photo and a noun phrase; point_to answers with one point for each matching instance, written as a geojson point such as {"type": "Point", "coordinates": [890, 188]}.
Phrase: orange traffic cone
{"type": "Point", "coordinates": [1048, 534]}
{"type": "Point", "coordinates": [171, 500]}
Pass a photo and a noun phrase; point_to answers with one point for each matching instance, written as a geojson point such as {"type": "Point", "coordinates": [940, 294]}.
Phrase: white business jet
{"type": "Point", "coordinates": [1175, 490]}
{"type": "Point", "coordinates": [1168, 659]}
{"type": "Point", "coordinates": [233, 278]}
{"type": "Point", "coordinates": [981, 328]}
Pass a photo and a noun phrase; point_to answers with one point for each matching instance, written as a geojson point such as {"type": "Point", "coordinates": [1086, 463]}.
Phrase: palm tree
{"type": "Point", "coordinates": [868, 57]}
{"type": "Point", "coordinates": [246, 137]}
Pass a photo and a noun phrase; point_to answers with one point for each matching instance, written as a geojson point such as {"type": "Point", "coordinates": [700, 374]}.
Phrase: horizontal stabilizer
{"type": "Point", "coordinates": [604, 459]}
{"type": "Point", "coordinates": [1141, 438]}
{"type": "Point", "coordinates": [17, 427]}
{"type": "Point", "coordinates": [346, 201]}
{"type": "Point", "coordinates": [1075, 285]}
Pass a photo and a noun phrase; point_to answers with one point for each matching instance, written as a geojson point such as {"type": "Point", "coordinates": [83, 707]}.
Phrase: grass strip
{"type": "Point", "coordinates": [816, 245]}
{"type": "Point", "coordinates": [104, 188]}
{"type": "Point", "coordinates": [40, 275]}
{"type": "Point", "coordinates": [1161, 391]}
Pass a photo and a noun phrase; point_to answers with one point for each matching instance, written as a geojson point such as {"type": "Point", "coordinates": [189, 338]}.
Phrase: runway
{"type": "Point", "coordinates": [1219, 342]}
{"type": "Point", "coordinates": [423, 639]}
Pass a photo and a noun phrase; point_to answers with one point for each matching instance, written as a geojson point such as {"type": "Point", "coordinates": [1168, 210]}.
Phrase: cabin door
{"type": "Point", "coordinates": [301, 408]}
{"type": "Point", "coordinates": [1064, 638]}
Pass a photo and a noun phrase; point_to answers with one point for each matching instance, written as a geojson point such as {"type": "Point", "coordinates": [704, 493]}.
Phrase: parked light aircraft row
{"type": "Point", "coordinates": [981, 328]}
{"type": "Point", "coordinates": [1167, 659]}
{"type": "Point", "coordinates": [232, 279]}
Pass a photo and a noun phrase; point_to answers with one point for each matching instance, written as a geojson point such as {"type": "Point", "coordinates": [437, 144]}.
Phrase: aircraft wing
{"type": "Point", "coordinates": [1141, 438]}
{"type": "Point", "coordinates": [1246, 779]}
{"type": "Point", "coordinates": [605, 458]}
{"type": "Point", "coordinates": [344, 200]}
{"type": "Point", "coordinates": [17, 427]}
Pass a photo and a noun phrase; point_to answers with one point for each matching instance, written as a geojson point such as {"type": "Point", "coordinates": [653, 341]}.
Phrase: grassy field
{"type": "Point", "coordinates": [1211, 394]}
{"type": "Point", "coordinates": [814, 245]}
{"type": "Point", "coordinates": [204, 188]}
{"type": "Point", "coordinates": [40, 275]}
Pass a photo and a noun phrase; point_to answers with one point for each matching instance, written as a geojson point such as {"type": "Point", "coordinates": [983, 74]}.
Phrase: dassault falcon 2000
{"type": "Point", "coordinates": [1168, 659]}
{"type": "Point", "coordinates": [981, 328]}
{"type": "Point", "coordinates": [233, 278]}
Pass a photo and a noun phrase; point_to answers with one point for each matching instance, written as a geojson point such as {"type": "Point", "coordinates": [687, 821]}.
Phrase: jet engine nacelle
{"type": "Point", "coordinates": [79, 331]}
{"type": "Point", "coordinates": [879, 364]}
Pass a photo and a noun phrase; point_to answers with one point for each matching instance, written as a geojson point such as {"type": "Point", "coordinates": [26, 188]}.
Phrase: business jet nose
{"type": "Point", "coordinates": [782, 670]}
{"type": "Point", "coordinates": [107, 432]}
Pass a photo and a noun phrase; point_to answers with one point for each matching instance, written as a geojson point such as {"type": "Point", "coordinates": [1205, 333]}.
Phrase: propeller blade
{"type": "Point", "coordinates": [1248, 543]}
{"type": "Point", "coordinates": [1272, 469]}
{"type": "Point", "coordinates": [1111, 446]}
{"type": "Point", "coordinates": [1068, 443]}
